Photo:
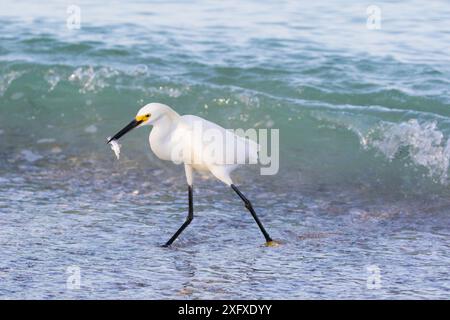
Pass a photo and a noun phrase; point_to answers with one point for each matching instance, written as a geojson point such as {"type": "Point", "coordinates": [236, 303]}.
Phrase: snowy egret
{"type": "Point", "coordinates": [181, 139]}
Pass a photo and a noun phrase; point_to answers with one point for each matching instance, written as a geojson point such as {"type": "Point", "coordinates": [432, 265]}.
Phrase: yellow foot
{"type": "Point", "coordinates": [272, 243]}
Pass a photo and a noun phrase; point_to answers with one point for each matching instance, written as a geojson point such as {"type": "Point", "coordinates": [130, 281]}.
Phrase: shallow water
{"type": "Point", "coordinates": [364, 130]}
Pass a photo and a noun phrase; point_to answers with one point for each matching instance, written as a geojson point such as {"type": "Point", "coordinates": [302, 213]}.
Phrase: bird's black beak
{"type": "Point", "coordinates": [133, 124]}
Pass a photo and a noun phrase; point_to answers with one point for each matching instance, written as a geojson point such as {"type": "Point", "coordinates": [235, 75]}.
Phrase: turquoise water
{"type": "Point", "coordinates": [364, 120]}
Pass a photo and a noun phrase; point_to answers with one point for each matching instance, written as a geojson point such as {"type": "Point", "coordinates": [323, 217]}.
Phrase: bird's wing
{"type": "Point", "coordinates": [210, 144]}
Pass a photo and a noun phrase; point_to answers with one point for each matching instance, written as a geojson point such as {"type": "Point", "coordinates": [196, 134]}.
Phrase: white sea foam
{"type": "Point", "coordinates": [45, 140]}
{"type": "Point", "coordinates": [90, 129]}
{"type": "Point", "coordinates": [30, 156]}
{"type": "Point", "coordinates": [7, 78]}
{"type": "Point", "coordinates": [425, 145]}
{"type": "Point", "coordinates": [52, 79]}
{"type": "Point", "coordinates": [92, 80]}
{"type": "Point", "coordinates": [419, 143]}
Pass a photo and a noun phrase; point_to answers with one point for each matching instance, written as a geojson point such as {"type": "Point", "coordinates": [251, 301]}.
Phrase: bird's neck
{"type": "Point", "coordinates": [167, 120]}
{"type": "Point", "coordinates": [171, 114]}
{"type": "Point", "coordinates": [161, 133]}
{"type": "Point", "coordinates": [164, 125]}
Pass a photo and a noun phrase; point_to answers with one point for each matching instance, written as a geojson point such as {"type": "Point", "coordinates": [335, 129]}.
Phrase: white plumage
{"type": "Point", "coordinates": [198, 144]}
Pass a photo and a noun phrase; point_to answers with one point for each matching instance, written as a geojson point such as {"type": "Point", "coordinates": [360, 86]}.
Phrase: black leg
{"type": "Point", "coordinates": [249, 207]}
{"type": "Point", "coordinates": [189, 218]}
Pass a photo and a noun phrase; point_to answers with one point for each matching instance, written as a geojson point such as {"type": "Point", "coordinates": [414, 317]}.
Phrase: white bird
{"type": "Point", "coordinates": [200, 145]}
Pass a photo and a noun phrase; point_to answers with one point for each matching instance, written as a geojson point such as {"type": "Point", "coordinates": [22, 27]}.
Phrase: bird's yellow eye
{"type": "Point", "coordinates": [144, 117]}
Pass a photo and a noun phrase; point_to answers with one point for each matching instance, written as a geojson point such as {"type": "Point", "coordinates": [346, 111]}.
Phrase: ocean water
{"type": "Point", "coordinates": [360, 203]}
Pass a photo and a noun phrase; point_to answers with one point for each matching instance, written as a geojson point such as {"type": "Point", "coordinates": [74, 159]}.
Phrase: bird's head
{"type": "Point", "coordinates": [147, 115]}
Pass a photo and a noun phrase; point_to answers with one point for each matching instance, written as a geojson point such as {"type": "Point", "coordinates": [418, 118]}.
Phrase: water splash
{"type": "Point", "coordinates": [424, 144]}
{"type": "Point", "coordinates": [30, 156]}
{"type": "Point", "coordinates": [52, 79]}
{"type": "Point", "coordinates": [91, 80]}
{"type": "Point", "coordinates": [7, 79]}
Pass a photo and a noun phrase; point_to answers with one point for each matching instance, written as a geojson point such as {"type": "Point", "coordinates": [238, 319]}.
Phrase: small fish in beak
{"type": "Point", "coordinates": [115, 146]}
